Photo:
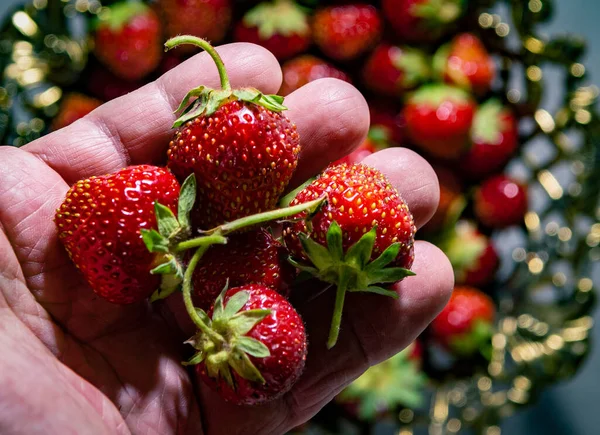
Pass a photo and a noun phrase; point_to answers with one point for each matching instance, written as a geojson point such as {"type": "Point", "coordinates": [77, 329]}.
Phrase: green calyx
{"type": "Point", "coordinates": [387, 385]}
{"type": "Point", "coordinates": [203, 101]}
{"type": "Point", "coordinates": [282, 17]}
{"type": "Point", "coordinates": [435, 94]}
{"type": "Point", "coordinates": [351, 270]}
{"type": "Point", "coordinates": [171, 231]}
{"type": "Point", "coordinates": [478, 339]}
{"type": "Point", "coordinates": [488, 123]}
{"type": "Point", "coordinates": [119, 14]}
{"type": "Point", "coordinates": [224, 345]}
{"type": "Point", "coordinates": [463, 247]}
{"type": "Point", "coordinates": [414, 66]}
{"type": "Point", "coordinates": [439, 11]}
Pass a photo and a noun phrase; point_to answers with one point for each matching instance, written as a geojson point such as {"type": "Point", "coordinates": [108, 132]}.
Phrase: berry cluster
{"type": "Point", "coordinates": [203, 224]}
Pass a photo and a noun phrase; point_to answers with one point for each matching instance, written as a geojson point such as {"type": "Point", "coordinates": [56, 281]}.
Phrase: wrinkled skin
{"type": "Point", "coordinates": [72, 363]}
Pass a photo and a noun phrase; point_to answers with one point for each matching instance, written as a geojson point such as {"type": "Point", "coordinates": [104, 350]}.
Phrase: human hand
{"type": "Point", "coordinates": [73, 363]}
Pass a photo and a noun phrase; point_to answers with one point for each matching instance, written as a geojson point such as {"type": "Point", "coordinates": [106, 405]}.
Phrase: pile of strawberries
{"type": "Point", "coordinates": [431, 87]}
{"type": "Point", "coordinates": [205, 224]}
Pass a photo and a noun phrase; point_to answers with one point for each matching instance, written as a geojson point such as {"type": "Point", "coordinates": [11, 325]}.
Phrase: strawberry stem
{"type": "Point", "coordinates": [214, 239]}
{"type": "Point", "coordinates": [199, 42]}
{"type": "Point", "coordinates": [336, 321]}
{"type": "Point", "coordinates": [187, 296]}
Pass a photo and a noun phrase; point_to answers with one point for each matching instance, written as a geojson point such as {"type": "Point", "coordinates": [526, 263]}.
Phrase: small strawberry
{"type": "Point", "coordinates": [128, 40]}
{"type": "Point", "coordinates": [422, 20]}
{"type": "Point", "coordinates": [393, 70]}
{"type": "Point", "coordinates": [73, 106]}
{"type": "Point", "coordinates": [465, 62]}
{"type": "Point", "coordinates": [207, 19]}
{"type": "Point", "coordinates": [305, 69]}
{"type": "Point", "coordinates": [438, 119]}
{"type": "Point", "coordinates": [465, 325]}
{"type": "Point", "coordinates": [494, 140]}
{"type": "Point", "coordinates": [99, 224]}
{"type": "Point", "coordinates": [387, 123]}
{"type": "Point", "coordinates": [253, 347]}
{"type": "Point", "coordinates": [363, 227]}
{"type": "Point", "coordinates": [348, 31]}
{"type": "Point", "coordinates": [281, 27]}
{"type": "Point", "coordinates": [254, 257]}
{"type": "Point", "coordinates": [376, 140]}
{"type": "Point", "coordinates": [500, 202]}
{"type": "Point", "coordinates": [473, 256]}
{"type": "Point", "coordinates": [452, 201]}
{"type": "Point", "coordinates": [239, 145]}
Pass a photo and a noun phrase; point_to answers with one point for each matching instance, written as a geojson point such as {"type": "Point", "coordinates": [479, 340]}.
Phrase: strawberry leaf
{"type": "Point", "coordinates": [154, 241]}
{"type": "Point", "coordinates": [360, 253]}
{"type": "Point", "coordinates": [334, 241]}
{"type": "Point", "coordinates": [240, 362]}
{"type": "Point", "coordinates": [379, 291]}
{"type": "Point", "coordinates": [389, 275]}
{"type": "Point", "coordinates": [187, 197]}
{"type": "Point", "coordinates": [243, 322]}
{"type": "Point", "coordinates": [196, 92]}
{"type": "Point", "coordinates": [235, 304]}
{"type": "Point", "coordinates": [203, 316]}
{"type": "Point", "coordinates": [166, 220]}
{"type": "Point", "coordinates": [196, 359]}
{"type": "Point", "coordinates": [253, 347]}
{"type": "Point", "coordinates": [385, 258]}
{"type": "Point", "coordinates": [317, 253]}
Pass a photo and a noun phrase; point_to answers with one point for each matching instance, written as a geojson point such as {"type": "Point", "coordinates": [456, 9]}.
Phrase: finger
{"type": "Point", "coordinates": [332, 119]}
{"type": "Point", "coordinates": [413, 177]}
{"type": "Point", "coordinates": [373, 329]}
{"type": "Point", "coordinates": [136, 128]}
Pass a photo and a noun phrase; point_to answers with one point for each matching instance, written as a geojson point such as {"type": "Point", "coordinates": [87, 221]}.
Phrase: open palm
{"type": "Point", "coordinates": [72, 363]}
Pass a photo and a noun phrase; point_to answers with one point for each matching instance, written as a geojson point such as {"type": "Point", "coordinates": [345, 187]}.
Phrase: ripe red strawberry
{"type": "Point", "coordinates": [452, 201]}
{"type": "Point", "coordinates": [128, 40]}
{"type": "Point", "coordinates": [393, 70]}
{"type": "Point", "coordinates": [422, 20]}
{"type": "Point", "coordinates": [254, 257]}
{"type": "Point", "coordinates": [73, 106]}
{"type": "Point", "coordinates": [386, 121]}
{"type": "Point", "coordinates": [261, 349]}
{"type": "Point", "coordinates": [305, 69]}
{"type": "Point", "coordinates": [472, 254]}
{"type": "Point", "coordinates": [465, 62]}
{"type": "Point", "coordinates": [465, 325]}
{"type": "Point", "coordinates": [281, 27]}
{"type": "Point", "coordinates": [202, 18]}
{"type": "Point", "coordinates": [363, 227]}
{"type": "Point", "coordinates": [494, 140]}
{"type": "Point", "coordinates": [500, 202]}
{"type": "Point", "coordinates": [348, 31]}
{"type": "Point", "coordinates": [438, 119]}
{"type": "Point", "coordinates": [99, 224]}
{"type": "Point", "coordinates": [239, 145]}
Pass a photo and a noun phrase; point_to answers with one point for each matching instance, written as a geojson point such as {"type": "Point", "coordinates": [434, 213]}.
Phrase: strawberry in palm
{"type": "Point", "coordinates": [362, 237]}
{"type": "Point", "coordinates": [99, 224]}
{"type": "Point", "coordinates": [237, 142]}
{"type": "Point", "coordinates": [251, 347]}
{"type": "Point", "coordinates": [128, 40]}
{"type": "Point", "coordinates": [281, 27]}
{"type": "Point", "coordinates": [253, 257]}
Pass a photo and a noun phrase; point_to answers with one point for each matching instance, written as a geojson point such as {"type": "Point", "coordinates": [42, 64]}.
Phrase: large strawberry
{"type": "Point", "coordinates": [100, 224]}
{"type": "Point", "coordinates": [465, 325]}
{"type": "Point", "coordinates": [202, 18]}
{"type": "Point", "coordinates": [364, 227]}
{"type": "Point", "coordinates": [128, 40]}
{"type": "Point", "coordinates": [239, 145]}
{"type": "Point", "coordinates": [73, 106]}
{"type": "Point", "coordinates": [465, 62]}
{"type": "Point", "coordinates": [422, 20]}
{"type": "Point", "coordinates": [494, 140]}
{"type": "Point", "coordinates": [251, 347]}
{"type": "Point", "coordinates": [393, 70]}
{"type": "Point", "coordinates": [347, 31]}
{"type": "Point", "coordinates": [472, 254]}
{"type": "Point", "coordinates": [254, 257]}
{"type": "Point", "coordinates": [500, 202]}
{"type": "Point", "coordinates": [305, 69]}
{"type": "Point", "coordinates": [280, 26]}
{"type": "Point", "coordinates": [439, 118]}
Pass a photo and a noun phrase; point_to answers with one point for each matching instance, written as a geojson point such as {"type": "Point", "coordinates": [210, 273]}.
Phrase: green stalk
{"type": "Point", "coordinates": [187, 295]}
{"type": "Point", "coordinates": [199, 42]}
{"type": "Point", "coordinates": [336, 321]}
{"type": "Point", "coordinates": [198, 242]}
